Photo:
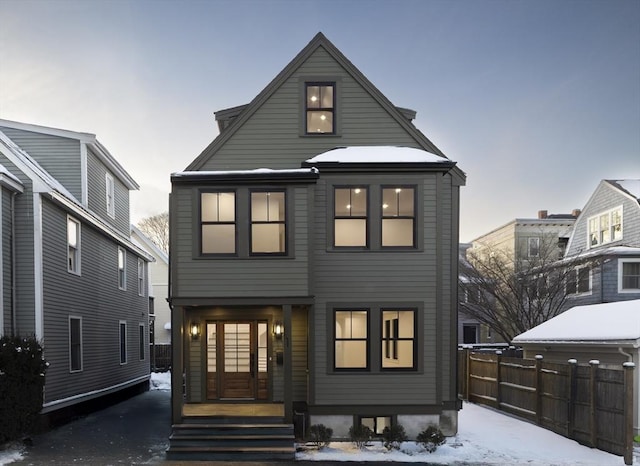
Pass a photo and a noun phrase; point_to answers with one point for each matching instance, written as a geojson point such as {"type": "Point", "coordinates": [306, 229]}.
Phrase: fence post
{"type": "Point", "coordinates": [539, 359]}
{"type": "Point", "coordinates": [498, 379]}
{"type": "Point", "coordinates": [628, 412]}
{"type": "Point", "coordinates": [593, 426]}
{"type": "Point", "coordinates": [467, 385]}
{"type": "Point", "coordinates": [571, 396]}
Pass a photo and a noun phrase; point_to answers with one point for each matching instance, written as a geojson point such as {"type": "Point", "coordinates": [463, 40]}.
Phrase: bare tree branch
{"type": "Point", "coordinates": [156, 228]}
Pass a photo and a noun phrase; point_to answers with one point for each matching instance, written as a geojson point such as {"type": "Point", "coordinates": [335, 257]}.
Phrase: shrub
{"type": "Point", "coordinates": [431, 438]}
{"type": "Point", "coordinates": [22, 372]}
{"type": "Point", "coordinates": [320, 435]}
{"type": "Point", "coordinates": [360, 435]}
{"type": "Point", "coordinates": [393, 437]}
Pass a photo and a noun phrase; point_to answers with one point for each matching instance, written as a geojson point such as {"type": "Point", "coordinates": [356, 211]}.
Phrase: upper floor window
{"type": "Point", "coordinates": [350, 220]}
{"type": "Point", "coordinates": [73, 246]}
{"type": "Point", "coordinates": [398, 217]}
{"type": "Point", "coordinates": [122, 269]}
{"type": "Point", "coordinates": [629, 275]}
{"type": "Point", "coordinates": [533, 249]}
{"type": "Point", "coordinates": [351, 339]}
{"type": "Point", "coordinates": [140, 277]}
{"type": "Point", "coordinates": [218, 222]}
{"type": "Point", "coordinates": [398, 339]}
{"type": "Point", "coordinates": [320, 108]}
{"type": "Point", "coordinates": [268, 222]}
{"type": "Point", "coordinates": [605, 227]}
{"type": "Point", "coordinates": [579, 280]}
{"type": "Point", "coordinates": [141, 339]}
{"type": "Point", "coordinates": [75, 344]}
{"type": "Point", "coordinates": [110, 195]}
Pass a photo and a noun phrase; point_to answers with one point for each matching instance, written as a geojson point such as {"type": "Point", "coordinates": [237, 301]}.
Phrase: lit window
{"type": "Point", "coordinates": [376, 424]}
{"type": "Point", "coordinates": [320, 106]}
{"type": "Point", "coordinates": [398, 217]}
{"type": "Point", "coordinates": [73, 242]}
{"type": "Point", "coordinates": [605, 227]}
{"type": "Point", "coordinates": [350, 222]}
{"type": "Point", "coordinates": [75, 344]}
{"type": "Point", "coordinates": [398, 339]}
{"type": "Point", "coordinates": [629, 276]}
{"type": "Point", "coordinates": [351, 340]}
{"type": "Point", "coordinates": [110, 195]}
{"type": "Point", "coordinates": [122, 269]}
{"type": "Point", "coordinates": [217, 216]}
{"type": "Point", "coordinates": [268, 225]}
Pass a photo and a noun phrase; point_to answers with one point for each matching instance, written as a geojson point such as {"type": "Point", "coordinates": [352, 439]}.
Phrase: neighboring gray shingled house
{"type": "Point", "coordinates": [70, 274]}
{"type": "Point", "coordinates": [327, 281]}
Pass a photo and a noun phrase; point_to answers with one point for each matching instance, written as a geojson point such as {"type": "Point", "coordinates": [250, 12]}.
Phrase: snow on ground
{"type": "Point", "coordinates": [10, 455]}
{"type": "Point", "coordinates": [160, 381]}
{"type": "Point", "coordinates": [486, 437]}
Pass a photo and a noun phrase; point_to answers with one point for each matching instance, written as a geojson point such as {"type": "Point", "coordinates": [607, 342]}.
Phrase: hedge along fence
{"type": "Point", "coordinates": [591, 405]}
{"type": "Point", "coordinates": [22, 375]}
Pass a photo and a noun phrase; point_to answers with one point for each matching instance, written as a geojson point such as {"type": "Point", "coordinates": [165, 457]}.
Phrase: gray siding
{"type": "Point", "coordinates": [97, 199]}
{"type": "Point", "coordinates": [271, 137]}
{"type": "Point", "coordinates": [6, 261]}
{"type": "Point", "coordinates": [94, 296]}
{"type": "Point", "coordinates": [59, 156]}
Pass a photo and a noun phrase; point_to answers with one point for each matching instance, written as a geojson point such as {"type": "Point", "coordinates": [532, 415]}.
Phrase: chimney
{"type": "Point", "coordinates": [576, 212]}
{"type": "Point", "coordinates": [542, 214]}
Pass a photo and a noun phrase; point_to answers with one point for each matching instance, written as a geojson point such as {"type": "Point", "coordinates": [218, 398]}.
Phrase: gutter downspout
{"type": "Point", "coordinates": [628, 355]}
{"type": "Point", "coordinates": [12, 242]}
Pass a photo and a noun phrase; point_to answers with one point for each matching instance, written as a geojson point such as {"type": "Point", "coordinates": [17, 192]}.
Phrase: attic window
{"type": "Point", "coordinates": [320, 108]}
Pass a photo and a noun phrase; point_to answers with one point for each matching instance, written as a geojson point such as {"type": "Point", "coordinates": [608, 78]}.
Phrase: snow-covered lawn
{"type": "Point", "coordinates": [160, 381]}
{"type": "Point", "coordinates": [484, 437]}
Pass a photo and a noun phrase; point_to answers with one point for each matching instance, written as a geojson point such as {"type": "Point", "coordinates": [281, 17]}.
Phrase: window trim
{"type": "Point", "coordinates": [81, 356]}
{"type": "Point", "coordinates": [284, 222]}
{"type": "Point", "coordinates": [392, 422]}
{"type": "Point", "coordinates": [122, 339]}
{"type": "Point", "coordinates": [141, 342]}
{"type": "Point", "coordinates": [597, 218]}
{"type": "Point", "coordinates": [366, 218]}
{"type": "Point", "coordinates": [332, 110]}
{"type": "Point", "coordinates": [621, 262]}
{"type": "Point", "coordinates": [122, 272]}
{"type": "Point", "coordinates": [536, 240]}
{"type": "Point", "coordinates": [384, 342]}
{"type": "Point", "coordinates": [414, 217]}
{"type": "Point", "coordinates": [141, 277]}
{"type": "Point", "coordinates": [110, 195]}
{"type": "Point", "coordinates": [367, 340]}
{"type": "Point", "coordinates": [201, 223]}
{"type": "Point", "coordinates": [77, 270]}
{"type": "Point", "coordinates": [575, 292]}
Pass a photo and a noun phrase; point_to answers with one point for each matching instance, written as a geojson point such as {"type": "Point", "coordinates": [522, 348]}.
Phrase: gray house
{"type": "Point", "coordinates": [605, 244]}
{"type": "Point", "coordinates": [70, 274]}
{"type": "Point", "coordinates": [313, 261]}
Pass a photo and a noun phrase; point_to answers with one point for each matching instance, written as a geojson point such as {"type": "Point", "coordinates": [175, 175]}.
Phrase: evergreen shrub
{"type": "Point", "coordinates": [320, 435]}
{"type": "Point", "coordinates": [360, 435]}
{"type": "Point", "coordinates": [392, 437]}
{"type": "Point", "coordinates": [431, 438]}
{"type": "Point", "coordinates": [22, 375]}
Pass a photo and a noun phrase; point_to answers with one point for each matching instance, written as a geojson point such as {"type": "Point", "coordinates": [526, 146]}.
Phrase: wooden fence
{"type": "Point", "coordinates": [589, 404]}
{"type": "Point", "coordinates": [160, 357]}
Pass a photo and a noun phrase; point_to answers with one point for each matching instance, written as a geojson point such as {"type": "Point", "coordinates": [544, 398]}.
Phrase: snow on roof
{"type": "Point", "coordinates": [377, 154]}
{"type": "Point", "coordinates": [597, 252]}
{"type": "Point", "coordinates": [590, 323]}
{"type": "Point", "coordinates": [256, 171]}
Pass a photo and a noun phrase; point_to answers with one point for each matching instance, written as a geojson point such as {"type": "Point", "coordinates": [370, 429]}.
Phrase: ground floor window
{"type": "Point", "coordinates": [75, 344]}
{"type": "Point", "coordinates": [398, 339]}
{"type": "Point", "coordinates": [351, 339]}
{"type": "Point", "coordinates": [470, 334]}
{"type": "Point", "coordinates": [376, 423]}
{"type": "Point", "coordinates": [123, 342]}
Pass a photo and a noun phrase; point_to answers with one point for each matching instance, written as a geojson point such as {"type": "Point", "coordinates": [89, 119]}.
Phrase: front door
{"type": "Point", "coordinates": [237, 360]}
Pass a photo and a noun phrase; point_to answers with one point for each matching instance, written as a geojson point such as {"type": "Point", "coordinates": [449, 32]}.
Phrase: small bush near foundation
{"type": "Point", "coordinates": [360, 435]}
{"type": "Point", "coordinates": [22, 370]}
{"type": "Point", "coordinates": [431, 438]}
{"type": "Point", "coordinates": [320, 435]}
{"type": "Point", "coordinates": [392, 437]}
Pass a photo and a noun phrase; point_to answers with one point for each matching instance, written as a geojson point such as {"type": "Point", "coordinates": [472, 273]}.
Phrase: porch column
{"type": "Point", "coordinates": [288, 364]}
{"type": "Point", "coordinates": [177, 367]}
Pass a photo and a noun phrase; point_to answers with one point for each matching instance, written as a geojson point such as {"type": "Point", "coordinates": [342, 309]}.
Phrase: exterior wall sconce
{"type": "Point", "coordinates": [195, 330]}
{"type": "Point", "coordinates": [278, 330]}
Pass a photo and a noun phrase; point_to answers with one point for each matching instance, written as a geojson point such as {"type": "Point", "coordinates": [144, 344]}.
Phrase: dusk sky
{"type": "Point", "coordinates": [537, 101]}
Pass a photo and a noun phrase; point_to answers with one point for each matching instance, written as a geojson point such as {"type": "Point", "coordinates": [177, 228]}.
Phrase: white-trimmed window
{"type": "Point", "coordinates": [122, 269]}
{"type": "Point", "coordinates": [73, 246]}
{"type": "Point", "coordinates": [351, 340]}
{"type": "Point", "coordinates": [398, 217]}
{"type": "Point", "coordinates": [533, 249]}
{"type": "Point", "coordinates": [140, 277]}
{"type": "Point", "coordinates": [75, 344]}
{"type": "Point", "coordinates": [141, 342]}
{"type": "Point", "coordinates": [628, 275]}
{"type": "Point", "coordinates": [579, 281]}
{"type": "Point", "coordinates": [605, 227]}
{"type": "Point", "coordinates": [350, 217]}
{"type": "Point", "coordinates": [122, 325]}
{"type": "Point", "coordinates": [110, 192]}
{"type": "Point", "coordinates": [218, 222]}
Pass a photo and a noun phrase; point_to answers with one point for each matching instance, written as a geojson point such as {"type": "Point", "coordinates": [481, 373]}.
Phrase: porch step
{"type": "Point", "coordinates": [215, 439]}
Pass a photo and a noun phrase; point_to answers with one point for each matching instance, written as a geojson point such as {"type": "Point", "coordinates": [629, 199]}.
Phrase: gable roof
{"type": "Point", "coordinates": [147, 244]}
{"type": "Point", "coordinates": [86, 138]}
{"type": "Point", "coordinates": [595, 323]}
{"type": "Point", "coordinates": [318, 41]}
{"type": "Point", "coordinates": [628, 187]}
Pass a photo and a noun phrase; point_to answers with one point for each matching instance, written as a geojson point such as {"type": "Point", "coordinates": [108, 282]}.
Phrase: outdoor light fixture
{"type": "Point", "coordinates": [195, 330]}
{"type": "Point", "coordinates": [278, 329]}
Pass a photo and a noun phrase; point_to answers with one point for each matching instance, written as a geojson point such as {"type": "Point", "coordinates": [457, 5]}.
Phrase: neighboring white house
{"type": "Point", "coordinates": [608, 332]}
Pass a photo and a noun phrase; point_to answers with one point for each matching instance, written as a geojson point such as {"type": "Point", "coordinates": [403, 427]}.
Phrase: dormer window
{"type": "Point", "coordinates": [320, 108]}
{"type": "Point", "coordinates": [605, 227]}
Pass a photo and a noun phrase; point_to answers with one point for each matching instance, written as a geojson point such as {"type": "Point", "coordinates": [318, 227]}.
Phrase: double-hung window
{"type": "Point", "coordinates": [75, 344]}
{"type": "Point", "coordinates": [110, 195]}
{"type": "Point", "coordinates": [122, 269]}
{"type": "Point", "coordinates": [398, 339]}
{"type": "Point", "coordinates": [140, 277]}
{"type": "Point", "coordinates": [398, 217]}
{"type": "Point", "coordinates": [629, 275]}
{"type": "Point", "coordinates": [579, 281]}
{"type": "Point", "coordinates": [123, 341]}
{"type": "Point", "coordinates": [268, 222]}
{"type": "Point", "coordinates": [533, 247]}
{"type": "Point", "coordinates": [218, 222]}
{"type": "Point", "coordinates": [141, 345]}
{"type": "Point", "coordinates": [73, 246]}
{"type": "Point", "coordinates": [350, 217]}
{"type": "Point", "coordinates": [320, 108]}
{"type": "Point", "coordinates": [605, 227]}
{"type": "Point", "coordinates": [351, 339]}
